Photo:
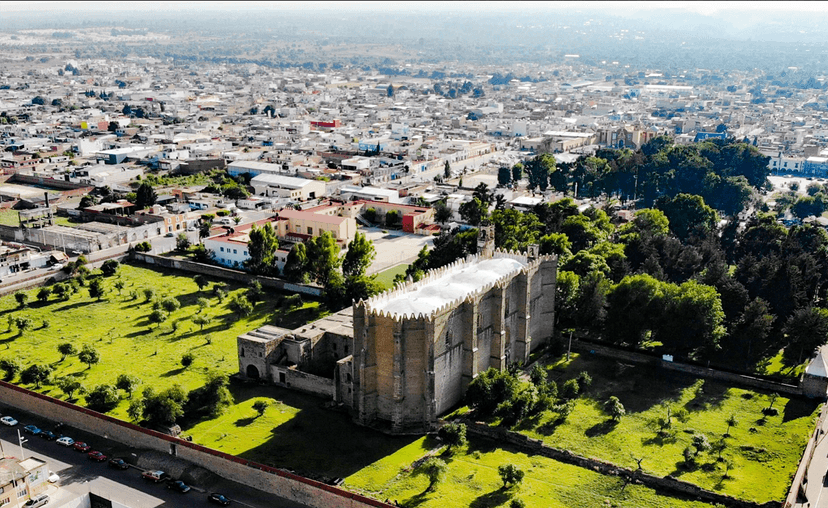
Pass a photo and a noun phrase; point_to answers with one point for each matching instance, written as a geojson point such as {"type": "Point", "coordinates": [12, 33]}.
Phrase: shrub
{"type": "Point", "coordinates": [510, 474]}
{"type": "Point", "coordinates": [110, 267]}
{"type": "Point", "coordinates": [187, 359]}
{"type": "Point", "coordinates": [570, 389]}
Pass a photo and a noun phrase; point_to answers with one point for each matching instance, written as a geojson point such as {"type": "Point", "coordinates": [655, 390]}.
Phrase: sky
{"type": "Point", "coordinates": [703, 7]}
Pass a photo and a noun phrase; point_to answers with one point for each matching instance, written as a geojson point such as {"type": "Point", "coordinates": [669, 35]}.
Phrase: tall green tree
{"type": "Point", "coordinates": [262, 249]}
{"type": "Point", "coordinates": [323, 257]}
{"type": "Point", "coordinates": [296, 265]}
{"type": "Point", "coordinates": [359, 256]}
{"type": "Point", "coordinates": [145, 196]}
{"type": "Point", "coordinates": [539, 168]}
{"type": "Point", "coordinates": [688, 215]}
{"type": "Point", "coordinates": [805, 331]}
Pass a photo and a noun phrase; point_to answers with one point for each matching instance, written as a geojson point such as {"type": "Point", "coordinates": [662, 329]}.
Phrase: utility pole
{"type": "Point", "coordinates": [22, 440]}
{"type": "Point", "coordinates": [568, 349]}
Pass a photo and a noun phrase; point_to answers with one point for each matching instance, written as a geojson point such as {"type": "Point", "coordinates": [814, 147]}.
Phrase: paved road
{"type": "Point", "coordinates": [79, 476]}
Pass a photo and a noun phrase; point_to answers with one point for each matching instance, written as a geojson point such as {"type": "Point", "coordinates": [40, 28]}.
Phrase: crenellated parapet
{"type": "Point", "coordinates": [374, 306]}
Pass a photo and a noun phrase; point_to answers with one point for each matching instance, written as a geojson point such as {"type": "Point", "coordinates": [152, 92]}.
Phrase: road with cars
{"type": "Point", "coordinates": [83, 464]}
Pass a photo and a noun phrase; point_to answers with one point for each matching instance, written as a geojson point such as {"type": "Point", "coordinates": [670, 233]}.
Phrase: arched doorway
{"type": "Point", "coordinates": [252, 372]}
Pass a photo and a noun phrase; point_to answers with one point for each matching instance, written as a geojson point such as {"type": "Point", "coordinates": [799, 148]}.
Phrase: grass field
{"type": "Point", "coordinates": [118, 327]}
{"type": "Point", "coordinates": [472, 480]}
{"type": "Point", "coordinates": [9, 217]}
{"type": "Point", "coordinates": [386, 278]}
{"type": "Point", "coordinates": [764, 452]}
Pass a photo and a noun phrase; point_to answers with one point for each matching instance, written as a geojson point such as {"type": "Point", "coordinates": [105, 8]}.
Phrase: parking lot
{"type": "Point", "coordinates": [394, 247]}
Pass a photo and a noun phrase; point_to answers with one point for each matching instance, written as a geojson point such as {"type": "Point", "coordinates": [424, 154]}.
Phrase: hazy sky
{"type": "Point", "coordinates": [705, 7]}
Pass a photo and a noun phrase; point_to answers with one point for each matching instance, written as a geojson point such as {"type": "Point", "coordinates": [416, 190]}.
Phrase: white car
{"type": "Point", "coordinates": [8, 420]}
{"type": "Point", "coordinates": [53, 477]}
{"type": "Point", "coordinates": [65, 441]}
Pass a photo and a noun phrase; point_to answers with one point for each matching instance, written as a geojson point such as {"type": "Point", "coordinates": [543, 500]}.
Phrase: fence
{"type": "Point", "coordinates": [268, 479]}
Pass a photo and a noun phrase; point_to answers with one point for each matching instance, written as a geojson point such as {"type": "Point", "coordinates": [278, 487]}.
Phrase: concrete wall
{"type": "Point", "coordinates": [667, 484]}
{"type": "Point", "coordinates": [695, 370]}
{"type": "Point", "coordinates": [304, 382]}
{"type": "Point", "coordinates": [225, 273]}
{"type": "Point", "coordinates": [268, 479]}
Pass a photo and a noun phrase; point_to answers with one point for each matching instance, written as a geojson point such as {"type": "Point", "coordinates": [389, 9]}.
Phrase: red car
{"type": "Point", "coordinates": [96, 456]}
{"type": "Point", "coordinates": [81, 446]}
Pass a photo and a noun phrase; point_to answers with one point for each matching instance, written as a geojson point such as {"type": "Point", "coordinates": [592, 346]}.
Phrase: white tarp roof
{"type": "Point", "coordinates": [451, 286]}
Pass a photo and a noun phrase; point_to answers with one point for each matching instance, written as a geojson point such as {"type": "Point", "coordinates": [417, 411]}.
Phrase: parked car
{"type": "Point", "coordinates": [82, 447]}
{"type": "Point", "coordinates": [217, 498]}
{"type": "Point", "coordinates": [38, 501]}
{"type": "Point", "coordinates": [179, 486]}
{"type": "Point", "coordinates": [48, 435]}
{"type": "Point", "coordinates": [96, 456]}
{"type": "Point", "coordinates": [65, 441]}
{"type": "Point", "coordinates": [8, 420]}
{"type": "Point", "coordinates": [53, 477]}
{"type": "Point", "coordinates": [31, 429]}
{"type": "Point", "coordinates": [117, 463]}
{"type": "Point", "coordinates": [156, 476]}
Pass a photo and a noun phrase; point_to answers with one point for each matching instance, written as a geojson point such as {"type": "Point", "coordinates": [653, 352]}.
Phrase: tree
{"type": "Point", "coordinates": [323, 257]}
{"type": "Point", "coordinates": [135, 411]}
{"type": "Point", "coordinates": [504, 176]}
{"type": "Point", "coordinates": [434, 469]}
{"type": "Point", "coordinates": [538, 375]}
{"type": "Point", "coordinates": [23, 324]}
{"type": "Point", "coordinates": [805, 330]}
{"type": "Point", "coordinates": [201, 282]}
{"type": "Point", "coordinates": [69, 386]}
{"type": "Point", "coordinates": [61, 290]}
{"type": "Point", "coordinates": [11, 368]}
{"type": "Point", "coordinates": [262, 249]}
{"type": "Point", "coordinates": [392, 217]}
{"type": "Point", "coordinates": [157, 316]}
{"type": "Point", "coordinates": [170, 305]}
{"type": "Point", "coordinates": [66, 349]}
{"type": "Point", "coordinates": [260, 407]}
{"type": "Point", "coordinates": [182, 242]}
{"type": "Point", "coordinates": [474, 212]}
{"type": "Point", "coordinates": [163, 408]}
{"type": "Point", "coordinates": [119, 285]}
{"type": "Point", "coordinates": [96, 289]}
{"type": "Point", "coordinates": [442, 213]}
{"type": "Point", "coordinates": [241, 305]}
{"type": "Point", "coordinates": [89, 356]}
{"type": "Point", "coordinates": [688, 215]}
{"type": "Point", "coordinates": [149, 293]}
{"type": "Point", "coordinates": [517, 172]}
{"type": "Point", "coordinates": [731, 422]}
{"type": "Point", "coordinates": [201, 321]}
{"type": "Point", "coordinates": [110, 267]}
{"type": "Point", "coordinates": [359, 256]}
{"type": "Point", "coordinates": [127, 383]}
{"type": "Point", "coordinates": [44, 293]}
{"type": "Point", "coordinates": [102, 398]}
{"type": "Point", "coordinates": [570, 389]}
{"type": "Point", "coordinates": [700, 443]}
{"type": "Point", "coordinates": [453, 434]}
{"type": "Point", "coordinates": [447, 170]}
{"type": "Point", "coordinates": [145, 196]}
{"type": "Point", "coordinates": [211, 399]}
{"type": "Point", "coordinates": [296, 265]}
{"type": "Point", "coordinates": [614, 408]}
{"type": "Point", "coordinates": [22, 298]}
{"type": "Point", "coordinates": [35, 374]}
{"type": "Point", "coordinates": [510, 474]}
{"type": "Point", "coordinates": [187, 359]}
{"type": "Point", "coordinates": [539, 168]}
{"type": "Point", "coordinates": [489, 389]}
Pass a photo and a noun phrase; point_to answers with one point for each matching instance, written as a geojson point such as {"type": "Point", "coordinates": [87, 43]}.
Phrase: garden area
{"type": "Point", "coordinates": [471, 475]}
{"type": "Point", "coordinates": [742, 443]}
{"type": "Point", "coordinates": [161, 328]}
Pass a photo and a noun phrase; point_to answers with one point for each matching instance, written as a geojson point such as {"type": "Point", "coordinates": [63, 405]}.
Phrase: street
{"type": "Point", "coordinates": [79, 475]}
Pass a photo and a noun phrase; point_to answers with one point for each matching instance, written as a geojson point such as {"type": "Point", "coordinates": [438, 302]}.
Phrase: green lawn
{"type": "Point", "coordinates": [764, 451]}
{"type": "Point", "coordinates": [386, 278]}
{"type": "Point", "coordinates": [9, 217]}
{"type": "Point", "coordinates": [472, 480]}
{"type": "Point", "coordinates": [119, 329]}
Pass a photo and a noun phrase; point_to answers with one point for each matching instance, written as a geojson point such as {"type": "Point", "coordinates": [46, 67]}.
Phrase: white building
{"type": "Point", "coordinates": [298, 189]}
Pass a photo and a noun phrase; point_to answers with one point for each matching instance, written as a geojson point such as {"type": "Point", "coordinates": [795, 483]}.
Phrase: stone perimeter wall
{"type": "Point", "coordinates": [268, 479]}
{"type": "Point", "coordinates": [667, 484]}
{"type": "Point", "coordinates": [224, 273]}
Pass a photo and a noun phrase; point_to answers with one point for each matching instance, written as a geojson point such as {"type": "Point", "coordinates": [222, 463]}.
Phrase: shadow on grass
{"type": "Point", "coordinates": [75, 305]}
{"type": "Point", "coordinates": [799, 408]}
{"type": "Point", "coordinates": [601, 429]}
{"type": "Point", "coordinates": [709, 394]}
{"type": "Point", "coordinates": [244, 422]}
{"type": "Point", "coordinates": [660, 439]}
{"type": "Point", "coordinates": [174, 372]}
{"type": "Point", "coordinates": [494, 498]}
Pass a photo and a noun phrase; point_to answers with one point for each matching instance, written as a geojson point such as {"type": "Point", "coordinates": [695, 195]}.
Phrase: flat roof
{"type": "Point", "coordinates": [453, 285]}
{"type": "Point", "coordinates": [288, 182]}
